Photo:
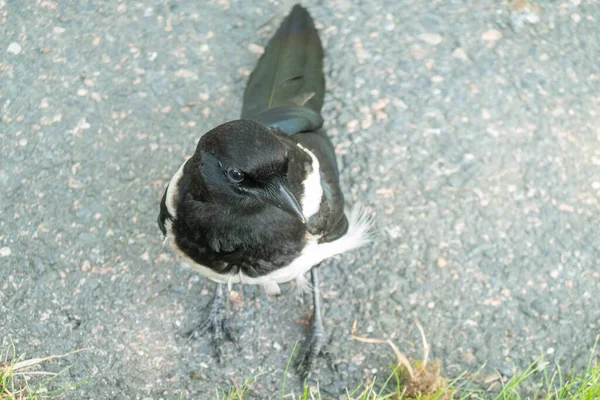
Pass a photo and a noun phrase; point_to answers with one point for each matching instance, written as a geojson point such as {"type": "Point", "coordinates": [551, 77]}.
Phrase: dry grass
{"type": "Point", "coordinates": [417, 378]}
{"type": "Point", "coordinates": [421, 380]}
{"type": "Point", "coordinates": [18, 374]}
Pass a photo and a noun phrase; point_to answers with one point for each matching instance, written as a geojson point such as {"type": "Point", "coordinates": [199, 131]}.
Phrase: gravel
{"type": "Point", "coordinates": [472, 136]}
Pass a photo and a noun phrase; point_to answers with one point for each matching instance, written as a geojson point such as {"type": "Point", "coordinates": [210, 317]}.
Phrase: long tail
{"type": "Point", "coordinates": [290, 72]}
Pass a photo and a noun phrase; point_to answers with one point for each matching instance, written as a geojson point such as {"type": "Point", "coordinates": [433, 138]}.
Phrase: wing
{"type": "Point", "coordinates": [330, 221]}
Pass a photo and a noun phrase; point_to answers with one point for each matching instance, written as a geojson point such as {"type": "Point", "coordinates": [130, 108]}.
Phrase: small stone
{"type": "Point", "coordinates": [492, 131]}
{"type": "Point", "coordinates": [185, 73]}
{"type": "Point", "coordinates": [441, 262]}
{"type": "Point", "coordinates": [523, 12]}
{"type": "Point", "coordinates": [491, 36]}
{"type": "Point", "coordinates": [437, 79]}
{"type": "Point", "coordinates": [14, 48]}
{"type": "Point", "coordinates": [554, 274]}
{"type": "Point", "coordinates": [5, 252]}
{"type": "Point", "coordinates": [256, 49]}
{"type": "Point", "coordinates": [431, 38]}
{"type": "Point", "coordinates": [58, 30]}
{"type": "Point", "coordinates": [575, 18]}
{"type": "Point", "coordinates": [485, 114]}
{"type": "Point", "coordinates": [431, 22]}
{"type": "Point", "coordinates": [277, 346]}
{"type": "Point", "coordinates": [400, 104]}
{"type": "Point", "coordinates": [550, 350]}
{"type": "Point", "coordinates": [431, 305]}
{"type": "Point", "coordinates": [460, 53]}
{"type": "Point", "coordinates": [82, 92]}
{"type": "Point", "coordinates": [417, 52]}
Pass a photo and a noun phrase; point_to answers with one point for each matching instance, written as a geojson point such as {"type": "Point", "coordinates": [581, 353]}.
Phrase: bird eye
{"type": "Point", "coordinates": [235, 175]}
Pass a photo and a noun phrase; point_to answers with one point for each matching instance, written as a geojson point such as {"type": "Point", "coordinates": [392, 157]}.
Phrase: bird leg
{"type": "Point", "coordinates": [317, 344]}
{"type": "Point", "coordinates": [217, 322]}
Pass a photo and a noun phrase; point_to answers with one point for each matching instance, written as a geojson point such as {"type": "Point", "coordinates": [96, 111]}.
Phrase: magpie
{"type": "Point", "coordinates": [259, 202]}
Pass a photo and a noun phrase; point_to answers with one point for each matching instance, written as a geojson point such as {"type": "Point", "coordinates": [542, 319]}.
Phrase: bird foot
{"type": "Point", "coordinates": [218, 323]}
{"type": "Point", "coordinates": [316, 347]}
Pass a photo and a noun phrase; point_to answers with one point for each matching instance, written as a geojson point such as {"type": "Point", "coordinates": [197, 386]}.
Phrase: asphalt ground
{"type": "Point", "coordinates": [469, 129]}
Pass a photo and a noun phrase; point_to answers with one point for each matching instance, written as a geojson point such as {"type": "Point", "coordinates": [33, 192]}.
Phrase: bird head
{"type": "Point", "coordinates": [243, 164]}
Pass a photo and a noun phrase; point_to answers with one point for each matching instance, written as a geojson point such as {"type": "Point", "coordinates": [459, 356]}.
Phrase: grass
{"type": "Point", "coordinates": [582, 386]}
{"type": "Point", "coordinates": [408, 380]}
{"type": "Point", "coordinates": [17, 375]}
{"type": "Point", "coordinates": [421, 380]}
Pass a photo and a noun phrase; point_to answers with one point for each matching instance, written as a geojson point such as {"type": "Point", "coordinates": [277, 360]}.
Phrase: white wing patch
{"type": "Point", "coordinates": [172, 192]}
{"type": "Point", "coordinates": [313, 191]}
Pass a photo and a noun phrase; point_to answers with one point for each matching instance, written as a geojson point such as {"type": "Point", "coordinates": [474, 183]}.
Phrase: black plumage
{"type": "Point", "coordinates": [259, 201]}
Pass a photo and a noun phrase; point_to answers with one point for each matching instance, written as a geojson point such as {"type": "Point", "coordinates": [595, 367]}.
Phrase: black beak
{"type": "Point", "coordinates": [281, 197]}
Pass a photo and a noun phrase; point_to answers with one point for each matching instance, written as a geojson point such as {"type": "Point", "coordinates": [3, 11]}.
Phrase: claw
{"type": "Point", "coordinates": [217, 322]}
{"type": "Point", "coordinates": [316, 347]}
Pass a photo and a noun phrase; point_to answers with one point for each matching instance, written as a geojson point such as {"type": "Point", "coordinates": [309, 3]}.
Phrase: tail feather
{"type": "Point", "coordinates": [290, 72]}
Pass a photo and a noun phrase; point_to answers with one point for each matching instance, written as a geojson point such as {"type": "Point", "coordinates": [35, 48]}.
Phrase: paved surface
{"type": "Point", "coordinates": [470, 130]}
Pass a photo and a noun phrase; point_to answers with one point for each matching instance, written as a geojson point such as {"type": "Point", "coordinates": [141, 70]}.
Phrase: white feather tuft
{"type": "Point", "coordinates": [302, 285]}
{"type": "Point", "coordinates": [271, 288]}
{"type": "Point", "coordinates": [360, 229]}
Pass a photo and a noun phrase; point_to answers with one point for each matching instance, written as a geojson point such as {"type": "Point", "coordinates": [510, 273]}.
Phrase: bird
{"type": "Point", "coordinates": [259, 202]}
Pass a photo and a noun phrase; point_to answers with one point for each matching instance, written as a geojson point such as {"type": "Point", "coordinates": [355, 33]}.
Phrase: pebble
{"type": "Point", "coordinates": [5, 252]}
{"type": "Point", "coordinates": [14, 48]}
{"type": "Point", "coordinates": [431, 22]}
{"type": "Point", "coordinates": [431, 38]}
{"type": "Point", "coordinates": [460, 53]}
{"type": "Point", "coordinates": [417, 52]}
{"type": "Point", "coordinates": [256, 49]}
{"type": "Point", "coordinates": [491, 36]}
